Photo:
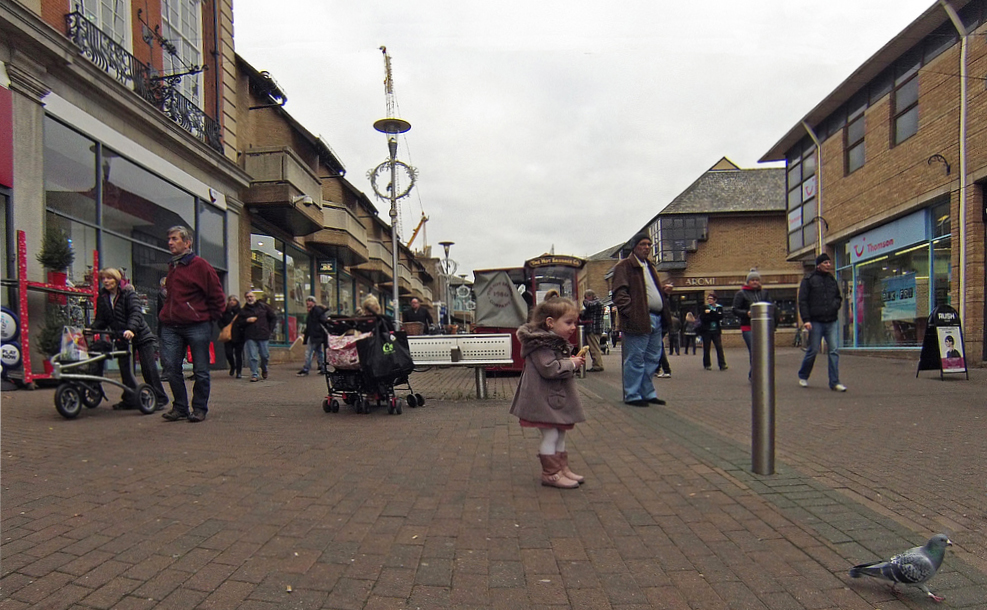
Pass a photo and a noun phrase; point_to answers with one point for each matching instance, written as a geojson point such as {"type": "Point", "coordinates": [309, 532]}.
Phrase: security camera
{"type": "Point", "coordinates": [302, 199]}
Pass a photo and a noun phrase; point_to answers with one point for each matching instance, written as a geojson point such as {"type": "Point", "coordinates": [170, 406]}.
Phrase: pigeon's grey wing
{"type": "Point", "coordinates": [912, 567]}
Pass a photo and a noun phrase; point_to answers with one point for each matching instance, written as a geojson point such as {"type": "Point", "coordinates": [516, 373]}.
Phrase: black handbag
{"type": "Point", "coordinates": [385, 354]}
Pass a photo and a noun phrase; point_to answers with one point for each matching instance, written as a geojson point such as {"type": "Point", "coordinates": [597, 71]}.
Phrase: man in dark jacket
{"type": "Point", "coordinates": [315, 336]}
{"type": "Point", "coordinates": [256, 322]}
{"type": "Point", "coordinates": [750, 293]}
{"type": "Point", "coordinates": [592, 318]}
{"type": "Point", "coordinates": [194, 300]}
{"type": "Point", "coordinates": [819, 306]}
{"type": "Point", "coordinates": [643, 314]}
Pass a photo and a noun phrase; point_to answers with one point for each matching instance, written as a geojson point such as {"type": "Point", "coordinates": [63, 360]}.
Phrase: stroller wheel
{"type": "Point", "coordinates": [68, 401]}
{"type": "Point", "coordinates": [397, 405]}
{"type": "Point", "coordinates": [326, 406]}
{"type": "Point", "coordinates": [358, 405]}
{"type": "Point", "coordinates": [390, 408]}
{"type": "Point", "coordinates": [92, 396]}
{"type": "Point", "coordinates": [420, 400]}
{"type": "Point", "coordinates": [334, 405]}
{"type": "Point", "coordinates": [412, 401]}
{"type": "Point", "coordinates": [145, 399]}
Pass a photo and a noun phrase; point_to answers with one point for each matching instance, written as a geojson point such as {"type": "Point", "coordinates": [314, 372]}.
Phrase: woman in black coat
{"type": "Point", "coordinates": [119, 309]}
{"type": "Point", "coordinates": [233, 347]}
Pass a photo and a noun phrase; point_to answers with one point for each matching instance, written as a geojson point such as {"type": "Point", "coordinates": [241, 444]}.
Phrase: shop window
{"type": "Point", "coordinates": [905, 120]}
{"type": "Point", "coordinates": [892, 299]}
{"type": "Point", "coordinates": [82, 237]}
{"type": "Point", "coordinates": [346, 304]}
{"type": "Point", "coordinates": [139, 203]}
{"type": "Point", "coordinates": [212, 235]}
{"type": "Point", "coordinates": [299, 267]}
{"type": "Point", "coordinates": [142, 265]}
{"type": "Point", "coordinates": [942, 272]}
{"type": "Point", "coordinates": [70, 172]}
{"type": "Point", "coordinates": [267, 278]}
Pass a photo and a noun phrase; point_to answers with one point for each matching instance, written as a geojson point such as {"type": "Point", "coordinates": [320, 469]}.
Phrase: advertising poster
{"type": "Point", "coordinates": [951, 349]}
{"type": "Point", "coordinates": [898, 296]}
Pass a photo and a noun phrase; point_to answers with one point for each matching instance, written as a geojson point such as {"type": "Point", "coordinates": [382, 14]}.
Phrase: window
{"type": "Point", "coordinates": [853, 135]}
{"type": "Point", "coordinates": [110, 16]}
{"type": "Point", "coordinates": [905, 121]}
{"type": "Point", "coordinates": [182, 26]}
{"type": "Point", "coordinates": [802, 189]}
{"type": "Point", "coordinates": [678, 235]}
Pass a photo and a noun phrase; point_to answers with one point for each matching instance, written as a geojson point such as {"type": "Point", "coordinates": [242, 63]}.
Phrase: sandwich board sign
{"type": "Point", "coordinates": [943, 348]}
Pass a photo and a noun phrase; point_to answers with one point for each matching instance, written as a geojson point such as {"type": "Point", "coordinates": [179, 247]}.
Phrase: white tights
{"type": "Point", "coordinates": [552, 441]}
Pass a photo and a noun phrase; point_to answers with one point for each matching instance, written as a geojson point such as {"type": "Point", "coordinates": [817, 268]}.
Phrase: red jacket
{"type": "Point", "coordinates": [194, 293]}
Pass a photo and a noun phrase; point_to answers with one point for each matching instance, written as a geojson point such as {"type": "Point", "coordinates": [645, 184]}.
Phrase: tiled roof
{"type": "Point", "coordinates": [607, 254]}
{"type": "Point", "coordinates": [729, 190]}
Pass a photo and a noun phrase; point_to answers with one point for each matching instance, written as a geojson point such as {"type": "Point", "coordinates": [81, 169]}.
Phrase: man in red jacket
{"type": "Point", "coordinates": [194, 299]}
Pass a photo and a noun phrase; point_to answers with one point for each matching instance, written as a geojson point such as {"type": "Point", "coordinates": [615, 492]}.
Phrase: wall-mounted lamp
{"type": "Point", "coordinates": [302, 199]}
{"type": "Point", "coordinates": [941, 159]}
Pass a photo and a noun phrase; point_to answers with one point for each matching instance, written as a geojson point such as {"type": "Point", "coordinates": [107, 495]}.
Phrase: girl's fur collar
{"type": "Point", "coordinates": [534, 337]}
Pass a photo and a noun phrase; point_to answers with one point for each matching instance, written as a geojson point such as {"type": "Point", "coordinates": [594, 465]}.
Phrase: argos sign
{"type": "Point", "coordinates": [885, 239]}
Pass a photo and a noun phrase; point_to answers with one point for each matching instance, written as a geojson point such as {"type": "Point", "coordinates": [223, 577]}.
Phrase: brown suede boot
{"type": "Point", "coordinates": [551, 473]}
{"type": "Point", "coordinates": [564, 463]}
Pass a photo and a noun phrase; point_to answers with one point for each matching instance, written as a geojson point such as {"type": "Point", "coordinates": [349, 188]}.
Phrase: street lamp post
{"type": "Point", "coordinates": [448, 272]}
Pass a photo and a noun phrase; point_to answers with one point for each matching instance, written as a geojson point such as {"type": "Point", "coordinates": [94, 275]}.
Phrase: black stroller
{"type": "Point", "coordinates": [364, 362]}
{"type": "Point", "coordinates": [81, 379]}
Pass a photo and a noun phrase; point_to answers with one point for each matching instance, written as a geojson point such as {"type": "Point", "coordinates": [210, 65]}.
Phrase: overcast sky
{"type": "Point", "coordinates": [556, 123]}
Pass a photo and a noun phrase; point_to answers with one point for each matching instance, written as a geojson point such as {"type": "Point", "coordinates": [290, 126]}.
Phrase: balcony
{"type": "Point", "coordinates": [343, 237]}
{"type": "Point", "coordinates": [145, 81]}
{"type": "Point", "coordinates": [277, 177]}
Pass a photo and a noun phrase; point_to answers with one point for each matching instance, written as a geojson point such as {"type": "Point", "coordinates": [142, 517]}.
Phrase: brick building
{"type": "Point", "coordinates": [726, 223]}
{"type": "Point", "coordinates": [115, 124]}
{"type": "Point", "coordinates": [887, 174]}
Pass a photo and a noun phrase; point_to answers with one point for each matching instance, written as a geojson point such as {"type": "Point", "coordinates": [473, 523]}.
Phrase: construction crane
{"type": "Point", "coordinates": [414, 234]}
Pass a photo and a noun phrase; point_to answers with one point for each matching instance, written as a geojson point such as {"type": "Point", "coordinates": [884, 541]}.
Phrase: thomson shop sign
{"type": "Point", "coordinates": [886, 239]}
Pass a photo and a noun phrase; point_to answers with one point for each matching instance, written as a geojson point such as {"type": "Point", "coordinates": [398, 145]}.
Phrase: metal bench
{"type": "Point", "coordinates": [477, 351]}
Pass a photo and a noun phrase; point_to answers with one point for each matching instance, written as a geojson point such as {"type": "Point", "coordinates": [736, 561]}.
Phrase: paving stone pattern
{"type": "Point", "coordinates": [272, 503]}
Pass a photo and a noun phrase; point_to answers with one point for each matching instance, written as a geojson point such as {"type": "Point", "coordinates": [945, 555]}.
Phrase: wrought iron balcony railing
{"type": "Point", "coordinates": [145, 81]}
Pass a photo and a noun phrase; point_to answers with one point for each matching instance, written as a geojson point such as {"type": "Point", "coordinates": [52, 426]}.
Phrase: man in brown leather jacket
{"type": "Point", "coordinates": [643, 313]}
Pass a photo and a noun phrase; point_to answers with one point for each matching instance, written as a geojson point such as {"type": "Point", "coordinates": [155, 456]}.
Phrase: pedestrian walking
{"type": "Point", "coordinates": [234, 347]}
{"type": "Point", "coordinates": [819, 306]}
{"type": "Point", "coordinates": [712, 318]}
{"type": "Point", "coordinates": [689, 332]}
{"type": "Point", "coordinates": [592, 319]}
{"type": "Point", "coordinates": [643, 315]}
{"type": "Point", "coordinates": [194, 300]}
{"type": "Point", "coordinates": [256, 322]}
{"type": "Point", "coordinates": [750, 293]}
{"type": "Point", "coordinates": [315, 336]}
{"type": "Point", "coordinates": [547, 397]}
{"type": "Point", "coordinates": [118, 308]}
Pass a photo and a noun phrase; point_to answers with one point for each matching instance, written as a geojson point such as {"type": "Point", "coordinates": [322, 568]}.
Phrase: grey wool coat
{"type": "Point", "coordinates": [547, 391]}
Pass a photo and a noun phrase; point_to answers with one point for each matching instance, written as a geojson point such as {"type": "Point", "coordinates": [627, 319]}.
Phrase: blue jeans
{"type": "Point", "coordinates": [317, 348]}
{"type": "Point", "coordinates": [257, 354]}
{"type": "Point", "coordinates": [642, 353]}
{"type": "Point", "coordinates": [831, 331]}
{"type": "Point", "coordinates": [174, 341]}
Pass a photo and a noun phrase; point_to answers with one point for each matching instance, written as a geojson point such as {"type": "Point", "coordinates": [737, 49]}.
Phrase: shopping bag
{"type": "Point", "coordinates": [385, 353]}
{"type": "Point", "coordinates": [74, 346]}
{"type": "Point", "coordinates": [226, 335]}
{"type": "Point", "coordinates": [342, 353]}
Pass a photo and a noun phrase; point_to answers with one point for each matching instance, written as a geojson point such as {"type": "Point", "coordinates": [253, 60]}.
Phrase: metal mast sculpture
{"type": "Point", "coordinates": [392, 126]}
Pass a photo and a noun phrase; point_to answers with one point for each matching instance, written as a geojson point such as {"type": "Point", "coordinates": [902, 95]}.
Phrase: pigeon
{"type": "Point", "coordinates": [913, 567]}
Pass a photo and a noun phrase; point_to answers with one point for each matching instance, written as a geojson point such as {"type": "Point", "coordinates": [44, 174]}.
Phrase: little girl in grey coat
{"type": "Point", "coordinates": [547, 397]}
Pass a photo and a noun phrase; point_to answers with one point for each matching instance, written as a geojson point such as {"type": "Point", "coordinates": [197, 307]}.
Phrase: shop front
{"type": "Point", "coordinates": [282, 276]}
{"type": "Point", "coordinates": [893, 276]}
